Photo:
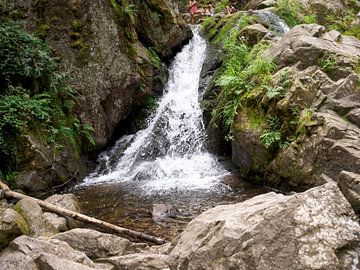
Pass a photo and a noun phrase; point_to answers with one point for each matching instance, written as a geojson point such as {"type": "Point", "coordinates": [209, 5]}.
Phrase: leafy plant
{"type": "Point", "coordinates": [328, 63]}
{"type": "Point", "coordinates": [271, 137]}
{"type": "Point", "coordinates": [289, 10]}
{"type": "Point", "coordinates": [245, 70]}
{"type": "Point", "coordinates": [155, 59]}
{"type": "Point", "coordinates": [220, 6]}
{"type": "Point", "coordinates": [35, 97]}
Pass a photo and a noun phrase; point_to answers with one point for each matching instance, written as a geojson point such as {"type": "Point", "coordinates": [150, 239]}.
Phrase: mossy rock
{"type": "Point", "coordinates": [12, 225]}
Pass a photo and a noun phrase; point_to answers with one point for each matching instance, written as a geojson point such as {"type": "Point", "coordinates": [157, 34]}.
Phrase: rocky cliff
{"type": "Point", "coordinates": [288, 103]}
{"type": "Point", "coordinates": [113, 52]}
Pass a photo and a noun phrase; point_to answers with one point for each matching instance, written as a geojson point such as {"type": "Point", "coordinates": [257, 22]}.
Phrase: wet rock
{"type": "Point", "coordinates": [316, 229]}
{"type": "Point", "coordinates": [98, 245]}
{"type": "Point", "coordinates": [67, 201]}
{"type": "Point", "coordinates": [139, 261]}
{"type": "Point", "coordinates": [166, 32]}
{"type": "Point", "coordinates": [112, 72]}
{"type": "Point", "coordinates": [22, 253]}
{"type": "Point", "coordinates": [252, 34]}
{"type": "Point", "coordinates": [161, 211]}
{"type": "Point", "coordinates": [33, 215]}
{"type": "Point", "coordinates": [349, 183]}
{"type": "Point", "coordinates": [12, 225]}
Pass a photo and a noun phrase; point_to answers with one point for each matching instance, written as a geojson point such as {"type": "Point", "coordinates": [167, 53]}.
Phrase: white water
{"type": "Point", "coordinates": [169, 153]}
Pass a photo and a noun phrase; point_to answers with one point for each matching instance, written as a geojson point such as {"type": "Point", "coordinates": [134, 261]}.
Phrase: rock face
{"type": "Point", "coordinates": [332, 94]}
{"type": "Point", "coordinates": [104, 45]}
{"type": "Point", "coordinates": [316, 229]}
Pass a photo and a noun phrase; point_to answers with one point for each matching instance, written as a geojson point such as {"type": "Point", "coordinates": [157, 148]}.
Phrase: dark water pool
{"type": "Point", "coordinates": [163, 214]}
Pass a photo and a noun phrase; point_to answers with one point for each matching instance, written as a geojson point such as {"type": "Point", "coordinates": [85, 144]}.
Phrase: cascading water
{"type": "Point", "coordinates": [169, 153]}
{"type": "Point", "coordinates": [161, 177]}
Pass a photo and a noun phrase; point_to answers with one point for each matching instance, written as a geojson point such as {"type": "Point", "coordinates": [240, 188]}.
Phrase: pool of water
{"type": "Point", "coordinates": [164, 213]}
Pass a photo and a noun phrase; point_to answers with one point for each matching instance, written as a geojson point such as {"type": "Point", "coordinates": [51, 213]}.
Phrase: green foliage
{"type": "Point", "coordinates": [34, 97]}
{"type": "Point", "coordinates": [344, 24]}
{"type": "Point", "coordinates": [23, 55]}
{"type": "Point", "coordinates": [125, 10]}
{"type": "Point", "coordinates": [289, 10]}
{"type": "Point", "coordinates": [221, 6]}
{"type": "Point", "coordinates": [279, 91]}
{"type": "Point", "coordinates": [245, 71]}
{"type": "Point", "coordinates": [155, 59]}
{"type": "Point", "coordinates": [328, 63]}
{"type": "Point", "coordinates": [309, 19]}
{"type": "Point", "coordinates": [271, 137]}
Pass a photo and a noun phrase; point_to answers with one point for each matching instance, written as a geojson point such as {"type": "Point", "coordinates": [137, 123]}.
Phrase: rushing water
{"type": "Point", "coordinates": [169, 153]}
{"type": "Point", "coordinates": [165, 168]}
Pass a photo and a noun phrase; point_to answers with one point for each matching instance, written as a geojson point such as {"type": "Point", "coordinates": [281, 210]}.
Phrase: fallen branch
{"type": "Point", "coordinates": [81, 217]}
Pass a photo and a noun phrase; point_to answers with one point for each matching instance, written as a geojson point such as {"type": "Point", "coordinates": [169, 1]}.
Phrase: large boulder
{"type": "Point", "coordinates": [33, 215]}
{"type": "Point", "coordinates": [24, 253]}
{"type": "Point", "coordinates": [98, 245]}
{"type": "Point", "coordinates": [316, 229]}
{"type": "Point", "coordinates": [12, 225]}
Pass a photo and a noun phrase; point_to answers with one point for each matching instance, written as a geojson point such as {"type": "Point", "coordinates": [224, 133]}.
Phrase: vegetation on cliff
{"type": "Point", "coordinates": [36, 98]}
{"type": "Point", "coordinates": [278, 96]}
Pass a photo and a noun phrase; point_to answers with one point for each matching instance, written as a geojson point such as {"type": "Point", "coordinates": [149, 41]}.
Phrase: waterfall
{"type": "Point", "coordinates": [273, 21]}
{"type": "Point", "coordinates": [169, 153]}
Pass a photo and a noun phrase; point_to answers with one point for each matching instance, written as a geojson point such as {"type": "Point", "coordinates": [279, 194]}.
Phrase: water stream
{"type": "Point", "coordinates": [159, 178]}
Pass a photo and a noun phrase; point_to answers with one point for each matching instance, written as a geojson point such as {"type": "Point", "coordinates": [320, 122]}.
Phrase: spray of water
{"type": "Point", "coordinates": [169, 153]}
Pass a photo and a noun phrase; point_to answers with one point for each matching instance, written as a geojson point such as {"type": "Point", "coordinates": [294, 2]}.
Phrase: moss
{"type": "Point", "coordinates": [42, 30]}
{"type": "Point", "coordinates": [155, 59]}
{"type": "Point", "coordinates": [77, 25]}
{"type": "Point", "coordinates": [22, 225]}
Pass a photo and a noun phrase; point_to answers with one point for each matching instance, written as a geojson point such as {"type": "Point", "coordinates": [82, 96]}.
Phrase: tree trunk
{"type": "Point", "coordinates": [93, 221]}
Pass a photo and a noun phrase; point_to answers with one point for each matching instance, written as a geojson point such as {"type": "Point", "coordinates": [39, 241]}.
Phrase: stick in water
{"type": "Point", "coordinates": [81, 217]}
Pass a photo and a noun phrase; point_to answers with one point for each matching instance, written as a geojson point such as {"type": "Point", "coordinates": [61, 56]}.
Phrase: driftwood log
{"type": "Point", "coordinates": [81, 217]}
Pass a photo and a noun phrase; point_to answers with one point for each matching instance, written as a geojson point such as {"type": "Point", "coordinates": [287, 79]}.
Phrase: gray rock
{"type": "Point", "coordinates": [354, 116]}
{"type": "Point", "coordinates": [349, 183]}
{"type": "Point", "coordinates": [12, 225]}
{"type": "Point", "coordinates": [51, 262]}
{"type": "Point", "coordinates": [305, 44]}
{"type": "Point", "coordinates": [266, 4]}
{"type": "Point", "coordinates": [252, 34]}
{"type": "Point", "coordinates": [67, 201]}
{"type": "Point", "coordinates": [316, 229]}
{"type": "Point", "coordinates": [98, 245]}
{"type": "Point", "coordinates": [23, 252]}
{"type": "Point", "coordinates": [57, 222]}
{"type": "Point", "coordinates": [33, 216]}
{"type": "Point", "coordinates": [139, 261]}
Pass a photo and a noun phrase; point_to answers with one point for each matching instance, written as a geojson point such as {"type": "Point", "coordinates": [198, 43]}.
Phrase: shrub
{"type": "Point", "coordinates": [245, 71]}
{"type": "Point", "coordinates": [34, 97]}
